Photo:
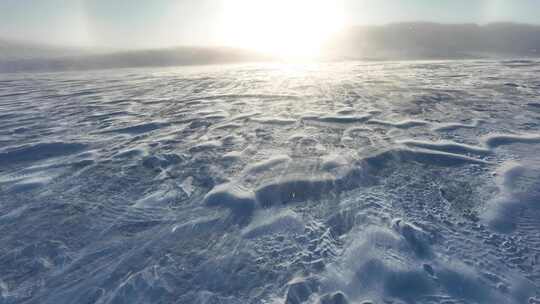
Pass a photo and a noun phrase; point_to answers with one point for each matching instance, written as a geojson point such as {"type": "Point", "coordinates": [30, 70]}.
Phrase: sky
{"type": "Point", "coordinates": [164, 23]}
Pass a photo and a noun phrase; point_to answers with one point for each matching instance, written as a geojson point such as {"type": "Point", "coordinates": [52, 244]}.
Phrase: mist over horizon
{"type": "Point", "coordinates": [24, 42]}
{"type": "Point", "coordinates": [123, 24]}
{"type": "Point", "coordinates": [394, 41]}
{"type": "Point", "coordinates": [94, 34]}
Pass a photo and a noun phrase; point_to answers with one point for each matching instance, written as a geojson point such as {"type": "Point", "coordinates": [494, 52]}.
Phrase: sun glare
{"type": "Point", "coordinates": [285, 28]}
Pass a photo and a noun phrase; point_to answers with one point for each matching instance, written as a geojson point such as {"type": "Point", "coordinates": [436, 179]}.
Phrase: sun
{"type": "Point", "coordinates": [284, 28]}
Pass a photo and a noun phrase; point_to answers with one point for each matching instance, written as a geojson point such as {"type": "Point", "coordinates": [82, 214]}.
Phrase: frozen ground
{"type": "Point", "coordinates": [394, 182]}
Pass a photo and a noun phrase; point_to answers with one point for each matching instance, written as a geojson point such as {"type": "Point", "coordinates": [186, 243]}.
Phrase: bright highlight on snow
{"type": "Point", "coordinates": [290, 29]}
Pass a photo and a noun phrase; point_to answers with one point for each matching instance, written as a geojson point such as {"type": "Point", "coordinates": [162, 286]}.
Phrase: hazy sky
{"type": "Point", "coordinates": [159, 23]}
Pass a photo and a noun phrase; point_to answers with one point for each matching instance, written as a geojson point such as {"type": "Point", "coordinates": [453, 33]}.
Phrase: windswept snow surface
{"type": "Point", "coordinates": [395, 182]}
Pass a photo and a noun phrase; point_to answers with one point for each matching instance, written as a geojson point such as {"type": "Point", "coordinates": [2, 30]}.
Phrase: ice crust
{"type": "Point", "coordinates": [357, 182]}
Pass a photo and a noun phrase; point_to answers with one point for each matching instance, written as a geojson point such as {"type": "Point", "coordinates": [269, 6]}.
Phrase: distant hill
{"type": "Point", "coordinates": [422, 40]}
{"type": "Point", "coordinates": [20, 50]}
{"type": "Point", "coordinates": [51, 59]}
